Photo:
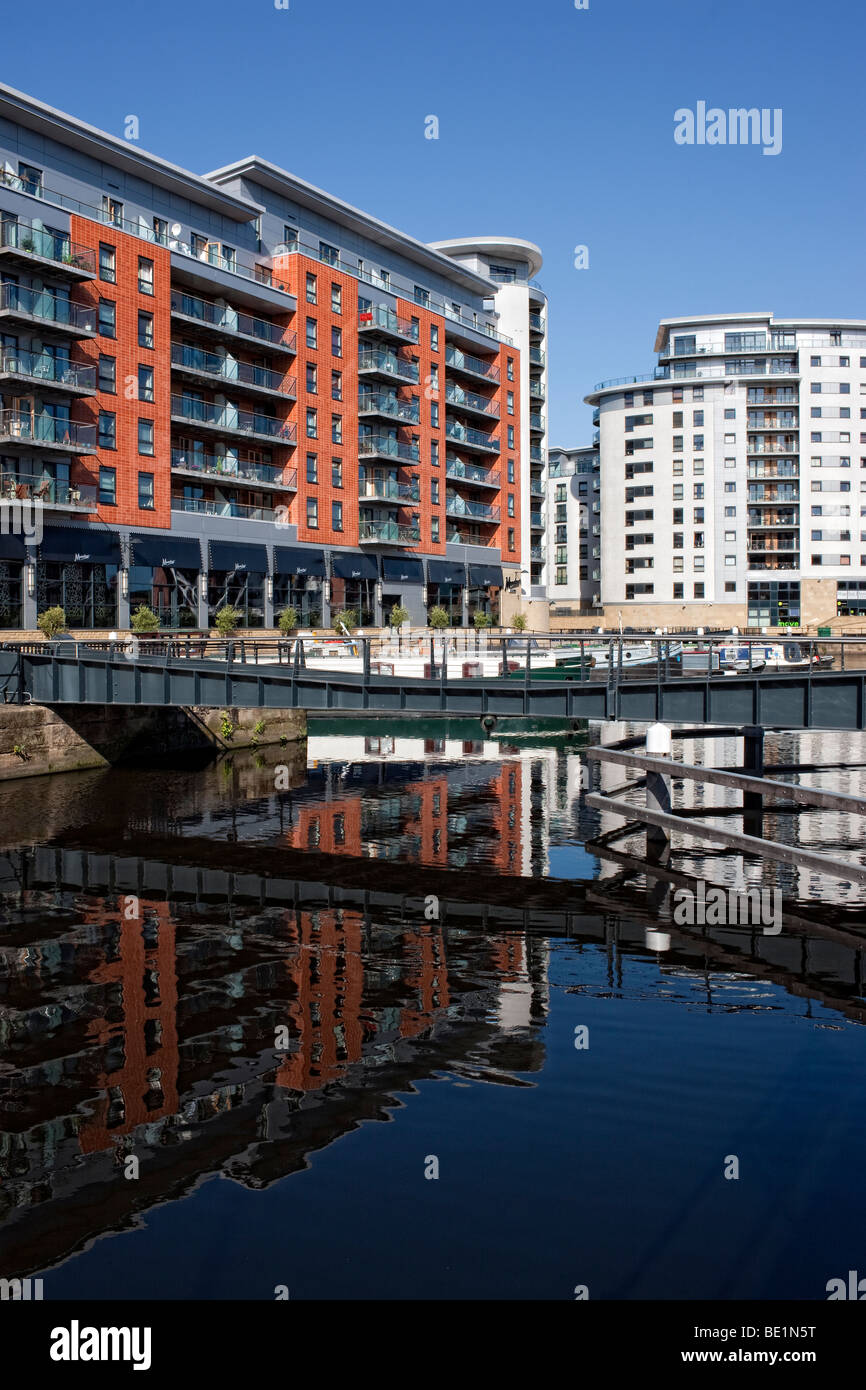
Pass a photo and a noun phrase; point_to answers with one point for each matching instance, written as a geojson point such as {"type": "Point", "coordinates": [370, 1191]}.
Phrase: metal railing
{"type": "Point", "coordinates": [47, 307]}
{"type": "Point", "coordinates": [381, 403]}
{"type": "Point", "coordinates": [471, 473]}
{"type": "Point", "coordinates": [43, 366]}
{"type": "Point", "coordinates": [394, 448]}
{"type": "Point", "coordinates": [39, 428]}
{"type": "Point", "coordinates": [20, 235]}
{"type": "Point", "coordinates": [475, 366]}
{"type": "Point", "coordinates": [386, 489]}
{"type": "Point", "coordinates": [474, 438]}
{"type": "Point", "coordinates": [233, 421]}
{"type": "Point", "coordinates": [232, 372]}
{"type": "Point", "coordinates": [390, 363]}
{"type": "Point", "coordinates": [229, 320]}
{"type": "Point", "coordinates": [206, 506]}
{"type": "Point", "coordinates": [49, 491]}
{"type": "Point", "coordinates": [459, 506]}
{"type": "Point", "coordinates": [389, 531]}
{"type": "Point", "coordinates": [456, 396]}
{"type": "Point", "coordinates": [385, 319]}
{"type": "Point", "coordinates": [228, 470]}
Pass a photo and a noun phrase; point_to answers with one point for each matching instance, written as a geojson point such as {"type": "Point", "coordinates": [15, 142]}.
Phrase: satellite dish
{"type": "Point", "coordinates": [176, 228]}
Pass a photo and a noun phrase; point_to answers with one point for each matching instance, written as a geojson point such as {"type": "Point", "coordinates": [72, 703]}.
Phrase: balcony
{"type": "Point", "coordinates": [41, 369]}
{"type": "Point", "coordinates": [234, 471]}
{"type": "Point", "coordinates": [382, 403]}
{"type": "Point", "coordinates": [386, 323]}
{"type": "Point", "coordinates": [471, 439]}
{"type": "Point", "coordinates": [470, 473]}
{"type": "Point", "coordinates": [769, 395]}
{"type": "Point", "coordinates": [770, 492]}
{"type": "Point", "coordinates": [536, 521]}
{"type": "Point", "coordinates": [479, 511]}
{"type": "Point", "coordinates": [768, 544]}
{"type": "Point", "coordinates": [536, 552]}
{"type": "Point", "coordinates": [786, 520]}
{"type": "Point", "coordinates": [383, 446]}
{"type": "Point", "coordinates": [468, 365]}
{"type": "Point", "coordinates": [536, 390]}
{"type": "Point", "coordinates": [387, 490]}
{"type": "Point", "coordinates": [221, 320]}
{"type": "Point", "coordinates": [536, 489]}
{"type": "Point", "coordinates": [43, 431]}
{"type": "Point", "coordinates": [196, 363]}
{"type": "Point", "coordinates": [536, 453]}
{"type": "Point", "coordinates": [60, 496]}
{"type": "Point", "coordinates": [42, 307]}
{"type": "Point", "coordinates": [25, 243]}
{"type": "Point", "coordinates": [537, 355]}
{"type": "Point", "coordinates": [776, 563]}
{"type": "Point", "coordinates": [212, 506]}
{"type": "Point", "coordinates": [536, 323]}
{"type": "Point", "coordinates": [758, 420]}
{"type": "Point", "coordinates": [387, 364]}
{"type": "Point", "coordinates": [596, 415]}
{"type": "Point", "coordinates": [771, 446]}
{"type": "Point", "coordinates": [536, 423]}
{"type": "Point", "coordinates": [226, 420]}
{"type": "Point", "coordinates": [774, 471]}
{"type": "Point", "coordinates": [470, 401]}
{"type": "Point", "coordinates": [387, 532]}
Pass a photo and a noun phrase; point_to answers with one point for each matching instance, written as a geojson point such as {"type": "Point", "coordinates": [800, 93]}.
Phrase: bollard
{"type": "Point", "coordinates": [658, 785]}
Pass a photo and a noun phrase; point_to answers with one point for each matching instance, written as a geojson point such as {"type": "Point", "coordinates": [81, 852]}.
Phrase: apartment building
{"type": "Point", "coordinates": [236, 388]}
{"type": "Point", "coordinates": [521, 308]}
{"type": "Point", "coordinates": [733, 474]}
{"type": "Point", "coordinates": [574, 534]}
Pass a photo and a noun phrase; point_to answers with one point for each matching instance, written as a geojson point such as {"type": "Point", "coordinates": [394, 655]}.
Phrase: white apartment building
{"type": "Point", "coordinates": [573, 534]}
{"type": "Point", "coordinates": [521, 306]}
{"type": "Point", "coordinates": [733, 477]}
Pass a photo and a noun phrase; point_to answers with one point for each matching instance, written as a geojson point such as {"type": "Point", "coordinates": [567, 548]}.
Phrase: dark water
{"type": "Point", "coordinates": [239, 1025]}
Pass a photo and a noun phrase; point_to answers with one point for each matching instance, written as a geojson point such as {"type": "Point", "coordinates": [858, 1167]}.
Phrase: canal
{"type": "Point", "coordinates": [382, 1018]}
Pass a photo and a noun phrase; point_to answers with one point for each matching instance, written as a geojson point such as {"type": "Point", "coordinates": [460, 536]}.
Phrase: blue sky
{"type": "Point", "coordinates": [556, 124]}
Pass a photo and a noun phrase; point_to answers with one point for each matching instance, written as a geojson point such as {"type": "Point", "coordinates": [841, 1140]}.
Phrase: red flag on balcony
{"type": "Point", "coordinates": [366, 318]}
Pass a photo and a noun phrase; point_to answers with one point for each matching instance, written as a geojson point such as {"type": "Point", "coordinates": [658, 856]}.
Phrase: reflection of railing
{"type": "Point", "coordinates": [49, 491]}
{"type": "Point", "coordinates": [41, 428]}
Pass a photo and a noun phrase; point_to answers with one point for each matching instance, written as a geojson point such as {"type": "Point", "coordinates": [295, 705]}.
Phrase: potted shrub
{"type": "Point", "coordinates": [399, 615]}
{"type": "Point", "coordinates": [288, 620]}
{"type": "Point", "coordinates": [227, 620]}
{"type": "Point", "coordinates": [144, 619]}
{"type": "Point", "coordinates": [520, 623]}
{"type": "Point", "coordinates": [481, 620]}
{"type": "Point", "coordinates": [347, 618]}
{"type": "Point", "coordinates": [438, 617]}
{"type": "Point", "coordinates": [52, 621]}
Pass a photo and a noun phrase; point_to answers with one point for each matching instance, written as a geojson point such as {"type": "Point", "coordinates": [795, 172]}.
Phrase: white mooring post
{"type": "Point", "coordinates": [658, 786]}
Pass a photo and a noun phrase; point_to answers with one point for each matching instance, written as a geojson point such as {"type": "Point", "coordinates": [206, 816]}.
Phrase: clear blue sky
{"type": "Point", "coordinates": [555, 124]}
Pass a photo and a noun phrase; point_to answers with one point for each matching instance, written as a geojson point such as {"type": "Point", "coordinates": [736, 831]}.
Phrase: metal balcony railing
{"type": "Point", "coordinates": [17, 234]}
{"type": "Point", "coordinates": [233, 421]}
{"type": "Point", "coordinates": [381, 403]}
{"type": "Point", "coordinates": [470, 400]}
{"type": "Point", "coordinates": [229, 320]}
{"type": "Point", "coordinates": [78, 497]}
{"type": "Point", "coordinates": [47, 308]}
{"type": "Point", "coordinates": [233, 372]}
{"type": "Point", "coordinates": [389, 531]}
{"type": "Point", "coordinates": [229, 470]}
{"type": "Point", "coordinates": [473, 438]}
{"type": "Point", "coordinates": [389, 364]}
{"type": "Point", "coordinates": [393, 448]}
{"type": "Point", "coordinates": [43, 367]}
{"type": "Point", "coordinates": [38, 428]}
{"type": "Point", "coordinates": [474, 366]}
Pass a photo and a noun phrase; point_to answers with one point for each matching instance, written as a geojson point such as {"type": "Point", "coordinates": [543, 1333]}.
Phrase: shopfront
{"type": "Point", "coordinates": [402, 581]}
{"type": "Point", "coordinates": [164, 575]}
{"type": "Point", "coordinates": [236, 578]}
{"type": "Point", "coordinates": [299, 583]}
{"type": "Point", "coordinates": [12, 557]}
{"type": "Point", "coordinates": [353, 584]}
{"type": "Point", "coordinates": [485, 583]}
{"type": "Point", "coordinates": [78, 571]}
{"type": "Point", "coordinates": [446, 580]}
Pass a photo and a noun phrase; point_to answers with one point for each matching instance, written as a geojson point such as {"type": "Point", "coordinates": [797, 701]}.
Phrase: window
{"type": "Point", "coordinates": [336, 342]}
{"type": "Point", "coordinates": [107, 264]}
{"type": "Point", "coordinates": [511, 539]}
{"type": "Point", "coordinates": [160, 231]}
{"type": "Point", "coordinates": [329, 254]}
{"type": "Point", "coordinates": [730, 560]}
{"type": "Point", "coordinates": [107, 487]}
{"type": "Point", "coordinates": [434, 338]}
{"type": "Point", "coordinates": [313, 513]}
{"type": "Point", "coordinates": [730, 414]}
{"type": "Point", "coordinates": [145, 436]}
{"type": "Point", "coordinates": [678, 590]}
{"type": "Point", "coordinates": [145, 492]}
{"type": "Point", "coordinates": [312, 334]}
{"type": "Point", "coordinates": [145, 383]}
{"type": "Point", "coordinates": [336, 472]}
{"type": "Point", "coordinates": [107, 429]}
{"type": "Point", "coordinates": [312, 378]}
{"type": "Point", "coordinates": [312, 468]}
{"type": "Point", "coordinates": [312, 423]}
{"type": "Point", "coordinates": [698, 393]}
{"type": "Point", "coordinates": [145, 275]}
{"type": "Point", "coordinates": [698, 443]}
{"type": "Point", "coordinates": [730, 487]}
{"type": "Point", "coordinates": [699, 591]}
{"type": "Point", "coordinates": [677, 420]}
{"type": "Point", "coordinates": [509, 368]}
{"type": "Point", "coordinates": [510, 402]}
{"type": "Point", "coordinates": [422, 296]}
{"type": "Point", "coordinates": [511, 436]}
{"type": "Point", "coordinates": [678, 516]}
{"type": "Point", "coordinates": [108, 318]}
{"type": "Point", "coordinates": [730, 586]}
{"type": "Point", "coordinates": [336, 429]}
{"type": "Point", "coordinates": [107, 379]}
{"type": "Point", "coordinates": [434, 530]}
{"type": "Point", "coordinates": [730, 511]}
{"type": "Point", "coordinates": [510, 470]}
{"type": "Point", "coordinates": [697, 417]}
{"type": "Point", "coordinates": [434, 491]}
{"type": "Point", "coordinates": [511, 504]}
{"type": "Point", "coordinates": [290, 237]}
{"type": "Point", "coordinates": [698, 490]}
{"type": "Point", "coordinates": [730, 536]}
{"type": "Point", "coordinates": [336, 386]}
{"type": "Point", "coordinates": [336, 298]}
{"type": "Point", "coordinates": [31, 179]}
{"type": "Point", "coordinates": [434, 415]}
{"type": "Point", "coordinates": [145, 330]}
{"type": "Point", "coordinates": [336, 516]}
{"type": "Point", "coordinates": [434, 453]}
{"type": "Point", "coordinates": [385, 278]}
{"type": "Point", "coordinates": [312, 297]}
{"type": "Point", "coordinates": [112, 210]}
{"type": "Point", "coordinates": [698, 540]}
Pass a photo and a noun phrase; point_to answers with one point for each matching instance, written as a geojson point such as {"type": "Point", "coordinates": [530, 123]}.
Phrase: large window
{"type": "Point", "coordinates": [773, 603]}
{"type": "Point", "coordinates": [242, 590]}
{"type": "Point", "coordinates": [10, 593]}
{"type": "Point", "coordinates": [86, 593]}
{"type": "Point", "coordinates": [172, 594]}
{"type": "Point", "coordinates": [303, 592]}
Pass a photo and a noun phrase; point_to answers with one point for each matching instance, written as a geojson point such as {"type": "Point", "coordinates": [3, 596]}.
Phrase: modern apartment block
{"type": "Point", "coordinates": [521, 308]}
{"type": "Point", "coordinates": [733, 474]}
{"type": "Point", "coordinates": [238, 389]}
{"type": "Point", "coordinates": [574, 534]}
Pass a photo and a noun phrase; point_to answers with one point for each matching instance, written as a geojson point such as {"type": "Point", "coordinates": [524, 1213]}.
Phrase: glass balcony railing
{"type": "Point", "coordinates": [470, 438]}
{"type": "Point", "coordinates": [212, 506]}
{"type": "Point", "coordinates": [536, 521]}
{"type": "Point", "coordinates": [32, 240]}
{"type": "Point", "coordinates": [536, 323]}
{"type": "Point", "coordinates": [536, 552]}
{"type": "Point", "coordinates": [758, 420]}
{"type": "Point", "coordinates": [388, 364]}
{"type": "Point", "coordinates": [536, 489]}
{"type": "Point", "coordinates": [389, 531]}
{"type": "Point", "coordinates": [757, 445]}
{"type": "Point", "coordinates": [236, 373]}
{"type": "Point", "coordinates": [388, 490]}
{"type": "Point", "coordinates": [71, 497]}
{"type": "Point", "coordinates": [43, 367]}
{"type": "Point", "coordinates": [536, 453]}
{"type": "Point", "coordinates": [47, 308]}
{"type": "Point", "coordinates": [474, 366]}
{"type": "Point", "coordinates": [469, 400]}
{"type": "Point", "coordinates": [536, 422]}
{"type": "Point", "coordinates": [481, 511]}
{"type": "Point", "coordinates": [231, 470]}
{"type": "Point", "coordinates": [233, 421]}
{"type": "Point", "coordinates": [536, 355]}
{"type": "Point", "coordinates": [385, 320]}
{"type": "Point", "coordinates": [392, 448]}
{"type": "Point", "coordinates": [381, 403]}
{"type": "Point", "coordinates": [232, 321]}
{"type": "Point", "coordinates": [24, 426]}
{"type": "Point", "coordinates": [470, 473]}
{"type": "Point", "coordinates": [536, 391]}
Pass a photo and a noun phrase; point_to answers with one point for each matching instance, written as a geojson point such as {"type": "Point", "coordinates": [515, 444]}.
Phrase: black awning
{"type": "Point", "coordinates": [297, 560]}
{"type": "Point", "coordinates": [87, 546]}
{"type": "Point", "coordinates": [235, 555]}
{"type": "Point", "coordinates": [445, 572]}
{"type": "Point", "coordinates": [11, 547]}
{"type": "Point", "coordinates": [166, 552]}
{"type": "Point", "coordinates": [348, 564]}
{"type": "Point", "coordinates": [404, 569]}
{"type": "Point", "coordinates": [485, 576]}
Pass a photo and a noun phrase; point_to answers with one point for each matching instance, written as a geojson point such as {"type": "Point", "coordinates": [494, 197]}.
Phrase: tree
{"type": "Point", "coordinates": [288, 620]}
{"type": "Point", "coordinates": [52, 621]}
{"type": "Point", "coordinates": [481, 619]}
{"type": "Point", "coordinates": [438, 617]}
{"type": "Point", "coordinates": [144, 619]}
{"type": "Point", "coordinates": [399, 615]}
{"type": "Point", "coordinates": [520, 623]}
{"type": "Point", "coordinates": [227, 620]}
